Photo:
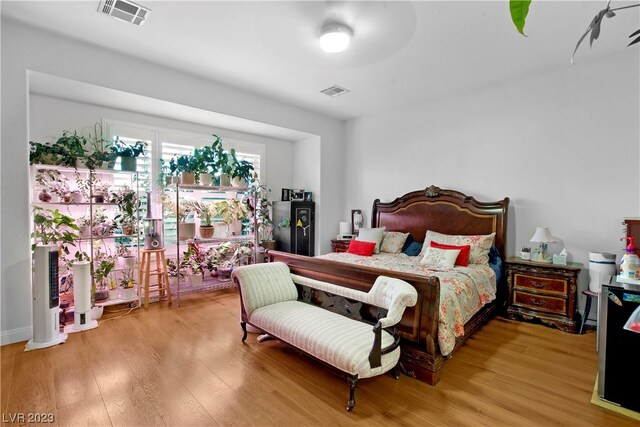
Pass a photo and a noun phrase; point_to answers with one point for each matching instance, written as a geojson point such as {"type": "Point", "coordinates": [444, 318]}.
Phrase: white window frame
{"type": "Point", "coordinates": [159, 133]}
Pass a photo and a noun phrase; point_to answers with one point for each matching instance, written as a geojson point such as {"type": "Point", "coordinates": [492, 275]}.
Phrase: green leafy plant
{"type": "Point", "coordinates": [230, 210]}
{"type": "Point", "coordinates": [204, 211]}
{"type": "Point", "coordinates": [520, 9]}
{"type": "Point", "coordinates": [261, 211]}
{"type": "Point", "coordinates": [52, 227]}
{"type": "Point", "coordinates": [188, 164]}
{"type": "Point", "coordinates": [193, 259]}
{"type": "Point", "coordinates": [127, 281]}
{"type": "Point", "coordinates": [122, 149]}
{"type": "Point", "coordinates": [66, 150]}
{"type": "Point", "coordinates": [102, 271]}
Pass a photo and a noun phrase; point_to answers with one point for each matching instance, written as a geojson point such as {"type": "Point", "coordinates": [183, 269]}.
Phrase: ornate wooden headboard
{"type": "Point", "coordinates": [444, 211]}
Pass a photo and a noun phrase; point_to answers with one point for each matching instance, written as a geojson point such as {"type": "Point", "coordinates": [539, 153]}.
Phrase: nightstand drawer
{"type": "Point", "coordinates": [543, 284]}
{"type": "Point", "coordinates": [540, 302]}
{"type": "Point", "coordinates": [340, 245]}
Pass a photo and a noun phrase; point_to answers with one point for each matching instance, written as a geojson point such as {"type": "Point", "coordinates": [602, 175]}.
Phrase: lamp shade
{"type": "Point", "coordinates": [543, 235]}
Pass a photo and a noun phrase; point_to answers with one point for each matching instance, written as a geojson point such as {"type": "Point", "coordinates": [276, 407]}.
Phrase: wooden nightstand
{"type": "Point", "coordinates": [339, 245]}
{"type": "Point", "coordinates": [544, 291]}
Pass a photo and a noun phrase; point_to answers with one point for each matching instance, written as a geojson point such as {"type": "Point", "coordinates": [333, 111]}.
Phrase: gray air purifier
{"type": "Point", "coordinates": [153, 230]}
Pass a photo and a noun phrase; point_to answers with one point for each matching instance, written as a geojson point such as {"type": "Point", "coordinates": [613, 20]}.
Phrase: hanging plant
{"type": "Point", "coordinates": [520, 9]}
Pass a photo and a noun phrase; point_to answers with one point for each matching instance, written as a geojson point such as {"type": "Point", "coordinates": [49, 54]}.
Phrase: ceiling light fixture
{"type": "Point", "coordinates": [335, 37]}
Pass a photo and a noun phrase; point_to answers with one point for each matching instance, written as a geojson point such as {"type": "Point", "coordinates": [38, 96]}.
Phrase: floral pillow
{"type": "Point", "coordinates": [441, 259]}
{"type": "Point", "coordinates": [393, 241]}
{"type": "Point", "coordinates": [480, 244]}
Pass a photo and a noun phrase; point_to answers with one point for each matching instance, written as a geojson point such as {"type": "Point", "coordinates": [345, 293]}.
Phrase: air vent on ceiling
{"type": "Point", "coordinates": [125, 11]}
{"type": "Point", "coordinates": [334, 91]}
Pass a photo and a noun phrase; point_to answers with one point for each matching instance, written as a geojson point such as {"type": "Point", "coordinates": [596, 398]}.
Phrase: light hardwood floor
{"type": "Point", "coordinates": [187, 366]}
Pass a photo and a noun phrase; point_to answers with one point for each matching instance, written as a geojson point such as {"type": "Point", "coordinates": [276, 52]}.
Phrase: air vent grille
{"type": "Point", "coordinates": [125, 11]}
{"type": "Point", "coordinates": [334, 91]}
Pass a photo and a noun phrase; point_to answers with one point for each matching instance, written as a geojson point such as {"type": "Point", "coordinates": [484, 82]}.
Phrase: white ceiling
{"type": "Point", "coordinates": [402, 53]}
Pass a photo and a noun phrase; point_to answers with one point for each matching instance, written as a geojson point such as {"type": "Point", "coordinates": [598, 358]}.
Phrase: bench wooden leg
{"type": "Point", "coordinates": [396, 371]}
{"type": "Point", "coordinates": [353, 381]}
{"type": "Point", "coordinates": [243, 325]}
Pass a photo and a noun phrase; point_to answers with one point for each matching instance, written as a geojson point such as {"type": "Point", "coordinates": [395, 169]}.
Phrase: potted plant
{"type": "Point", "coordinates": [182, 212]}
{"type": "Point", "coordinates": [242, 255]}
{"type": "Point", "coordinates": [261, 214]}
{"type": "Point", "coordinates": [174, 172]}
{"type": "Point", "coordinates": [127, 153]}
{"type": "Point", "coordinates": [125, 258]}
{"type": "Point", "coordinates": [100, 154]}
{"type": "Point", "coordinates": [204, 212]}
{"type": "Point", "coordinates": [67, 150]}
{"type": "Point", "coordinates": [112, 285]}
{"type": "Point", "coordinates": [53, 228]}
{"type": "Point", "coordinates": [232, 211]}
{"type": "Point", "coordinates": [53, 182]}
{"type": "Point", "coordinates": [92, 187]}
{"type": "Point", "coordinates": [101, 276]}
{"type": "Point", "coordinates": [241, 171]}
{"type": "Point", "coordinates": [128, 204]}
{"type": "Point", "coordinates": [101, 226]}
{"type": "Point", "coordinates": [204, 159]}
{"type": "Point", "coordinates": [193, 262]}
{"type": "Point", "coordinates": [127, 285]}
{"type": "Point", "coordinates": [84, 222]}
{"type": "Point", "coordinates": [174, 272]}
{"type": "Point", "coordinates": [188, 166]}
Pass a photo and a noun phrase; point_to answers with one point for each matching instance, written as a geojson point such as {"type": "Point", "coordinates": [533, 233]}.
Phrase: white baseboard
{"type": "Point", "coordinates": [16, 335]}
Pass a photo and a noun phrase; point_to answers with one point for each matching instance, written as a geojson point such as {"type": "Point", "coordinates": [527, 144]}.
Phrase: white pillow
{"type": "Point", "coordinates": [374, 235]}
{"type": "Point", "coordinates": [480, 244]}
{"type": "Point", "coordinates": [442, 259]}
{"type": "Point", "coordinates": [393, 242]}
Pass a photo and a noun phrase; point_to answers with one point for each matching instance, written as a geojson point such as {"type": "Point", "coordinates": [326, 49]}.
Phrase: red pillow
{"type": "Point", "coordinates": [463, 256]}
{"type": "Point", "coordinates": [360, 247]}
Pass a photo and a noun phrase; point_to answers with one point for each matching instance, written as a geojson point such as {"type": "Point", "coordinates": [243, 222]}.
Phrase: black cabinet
{"type": "Point", "coordinates": [619, 348]}
{"type": "Point", "coordinates": [294, 227]}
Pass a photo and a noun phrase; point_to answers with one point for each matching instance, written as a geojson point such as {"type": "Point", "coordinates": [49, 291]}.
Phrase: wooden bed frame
{"type": "Point", "coordinates": [444, 211]}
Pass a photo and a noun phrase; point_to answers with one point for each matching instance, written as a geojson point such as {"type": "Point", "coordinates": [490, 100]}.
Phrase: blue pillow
{"type": "Point", "coordinates": [413, 249]}
{"type": "Point", "coordinates": [495, 262]}
{"type": "Point", "coordinates": [407, 242]}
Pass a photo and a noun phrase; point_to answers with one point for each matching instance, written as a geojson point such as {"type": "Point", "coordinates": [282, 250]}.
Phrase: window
{"type": "Point", "coordinates": [164, 144]}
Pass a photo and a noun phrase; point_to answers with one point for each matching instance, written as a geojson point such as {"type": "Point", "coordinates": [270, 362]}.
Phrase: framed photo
{"type": "Point", "coordinates": [286, 195]}
{"type": "Point", "coordinates": [296, 195]}
{"type": "Point", "coordinates": [308, 196]}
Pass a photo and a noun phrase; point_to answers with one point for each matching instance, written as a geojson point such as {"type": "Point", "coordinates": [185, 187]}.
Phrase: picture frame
{"type": "Point", "coordinates": [308, 196]}
{"type": "Point", "coordinates": [296, 195]}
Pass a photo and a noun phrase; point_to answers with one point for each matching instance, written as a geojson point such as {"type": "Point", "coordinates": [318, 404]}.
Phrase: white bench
{"type": "Point", "coordinates": [269, 299]}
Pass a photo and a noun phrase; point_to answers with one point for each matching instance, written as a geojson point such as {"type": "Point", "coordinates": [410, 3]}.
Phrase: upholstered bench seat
{"type": "Point", "coordinates": [330, 337]}
{"type": "Point", "coordinates": [270, 302]}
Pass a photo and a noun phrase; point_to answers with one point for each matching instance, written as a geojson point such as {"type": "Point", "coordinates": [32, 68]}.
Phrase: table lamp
{"type": "Point", "coordinates": [542, 236]}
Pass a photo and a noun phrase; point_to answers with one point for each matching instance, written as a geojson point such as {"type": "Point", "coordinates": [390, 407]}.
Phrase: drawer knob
{"type": "Point", "coordinates": [538, 302]}
{"type": "Point", "coordinates": [538, 285]}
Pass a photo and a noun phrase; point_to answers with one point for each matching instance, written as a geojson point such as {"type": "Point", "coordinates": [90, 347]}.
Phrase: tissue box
{"type": "Point", "coordinates": [560, 259]}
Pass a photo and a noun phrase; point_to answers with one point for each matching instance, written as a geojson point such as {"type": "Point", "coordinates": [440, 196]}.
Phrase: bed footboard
{"type": "Point", "coordinates": [418, 328]}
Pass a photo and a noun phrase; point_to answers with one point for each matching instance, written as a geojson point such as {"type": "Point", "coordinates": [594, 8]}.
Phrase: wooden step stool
{"type": "Point", "coordinates": [162, 286]}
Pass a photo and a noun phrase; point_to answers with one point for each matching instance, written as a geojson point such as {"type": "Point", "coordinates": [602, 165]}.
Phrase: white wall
{"type": "Point", "coordinates": [306, 175]}
{"type": "Point", "coordinates": [49, 116]}
{"type": "Point", "coordinates": [26, 48]}
{"type": "Point", "coordinates": [564, 146]}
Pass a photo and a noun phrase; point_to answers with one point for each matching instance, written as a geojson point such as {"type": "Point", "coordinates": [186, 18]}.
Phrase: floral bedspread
{"type": "Point", "coordinates": [463, 290]}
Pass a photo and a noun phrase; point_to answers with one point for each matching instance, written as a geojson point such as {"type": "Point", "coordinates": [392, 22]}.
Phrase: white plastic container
{"type": "Point", "coordinates": [602, 267]}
